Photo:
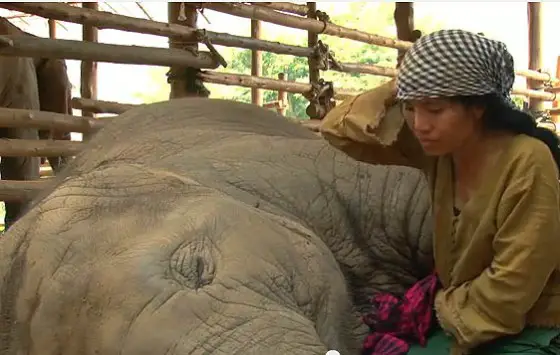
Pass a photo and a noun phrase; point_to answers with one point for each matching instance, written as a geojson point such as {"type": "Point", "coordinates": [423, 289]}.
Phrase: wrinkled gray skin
{"type": "Point", "coordinates": [203, 226]}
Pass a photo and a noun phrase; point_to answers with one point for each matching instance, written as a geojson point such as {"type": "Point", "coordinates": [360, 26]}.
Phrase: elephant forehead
{"type": "Point", "coordinates": [198, 232]}
{"type": "Point", "coordinates": [154, 220]}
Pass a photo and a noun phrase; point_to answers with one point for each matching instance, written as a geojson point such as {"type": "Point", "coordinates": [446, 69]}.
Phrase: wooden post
{"type": "Point", "coordinates": [282, 97]}
{"type": "Point", "coordinates": [88, 83]}
{"type": "Point", "coordinates": [535, 49]}
{"type": "Point", "coordinates": [183, 80]}
{"type": "Point", "coordinates": [312, 61]}
{"type": "Point", "coordinates": [404, 21]}
{"type": "Point", "coordinates": [249, 81]}
{"type": "Point", "coordinates": [38, 47]}
{"type": "Point", "coordinates": [265, 14]}
{"type": "Point", "coordinates": [52, 29]}
{"type": "Point", "coordinates": [256, 63]}
{"type": "Point", "coordinates": [312, 40]}
{"type": "Point", "coordinates": [88, 69]}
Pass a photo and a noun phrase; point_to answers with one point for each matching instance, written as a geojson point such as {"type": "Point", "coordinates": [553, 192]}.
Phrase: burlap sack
{"type": "Point", "coordinates": [370, 127]}
{"type": "Point", "coordinates": [370, 117]}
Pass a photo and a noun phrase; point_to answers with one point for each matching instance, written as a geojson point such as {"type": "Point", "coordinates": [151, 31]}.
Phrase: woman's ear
{"type": "Point", "coordinates": [477, 111]}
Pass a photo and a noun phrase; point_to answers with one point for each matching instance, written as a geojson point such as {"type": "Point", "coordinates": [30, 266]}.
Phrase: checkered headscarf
{"type": "Point", "coordinates": [455, 63]}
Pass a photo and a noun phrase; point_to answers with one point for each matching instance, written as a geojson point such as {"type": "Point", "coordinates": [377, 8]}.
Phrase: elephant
{"type": "Point", "coordinates": [34, 84]}
{"type": "Point", "coordinates": [55, 91]}
{"type": "Point", "coordinates": [18, 89]}
{"type": "Point", "coordinates": [207, 226]}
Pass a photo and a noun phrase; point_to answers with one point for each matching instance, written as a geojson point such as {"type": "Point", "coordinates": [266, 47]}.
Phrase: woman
{"type": "Point", "coordinates": [496, 196]}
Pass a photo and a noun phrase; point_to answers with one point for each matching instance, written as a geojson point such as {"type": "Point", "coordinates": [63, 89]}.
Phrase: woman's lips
{"type": "Point", "coordinates": [424, 141]}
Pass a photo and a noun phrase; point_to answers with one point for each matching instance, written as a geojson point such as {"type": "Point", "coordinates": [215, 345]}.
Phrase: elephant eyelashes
{"type": "Point", "coordinates": [192, 267]}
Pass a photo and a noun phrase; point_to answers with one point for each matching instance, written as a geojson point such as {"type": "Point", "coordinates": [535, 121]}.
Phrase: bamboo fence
{"type": "Point", "coordinates": [299, 16]}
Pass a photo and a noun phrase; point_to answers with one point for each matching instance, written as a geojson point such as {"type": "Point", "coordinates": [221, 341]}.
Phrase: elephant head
{"type": "Point", "coordinates": [207, 226]}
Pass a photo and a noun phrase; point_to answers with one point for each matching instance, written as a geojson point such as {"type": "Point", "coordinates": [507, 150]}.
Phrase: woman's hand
{"type": "Point", "coordinates": [445, 322]}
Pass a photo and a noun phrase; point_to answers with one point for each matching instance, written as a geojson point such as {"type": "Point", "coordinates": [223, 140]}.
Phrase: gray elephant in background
{"type": "Point", "coordinates": [32, 84]}
{"type": "Point", "coordinates": [54, 90]}
{"type": "Point", "coordinates": [203, 226]}
{"type": "Point", "coordinates": [18, 89]}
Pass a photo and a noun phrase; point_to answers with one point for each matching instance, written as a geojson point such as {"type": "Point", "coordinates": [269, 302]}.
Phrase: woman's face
{"type": "Point", "coordinates": [442, 126]}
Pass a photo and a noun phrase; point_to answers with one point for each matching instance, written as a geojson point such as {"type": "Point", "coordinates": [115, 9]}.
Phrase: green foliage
{"type": "Point", "coordinates": [295, 69]}
{"type": "Point", "coordinates": [519, 101]}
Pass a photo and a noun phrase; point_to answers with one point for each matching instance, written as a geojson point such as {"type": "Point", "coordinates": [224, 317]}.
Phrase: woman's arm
{"type": "Point", "coordinates": [370, 128]}
{"type": "Point", "coordinates": [526, 253]}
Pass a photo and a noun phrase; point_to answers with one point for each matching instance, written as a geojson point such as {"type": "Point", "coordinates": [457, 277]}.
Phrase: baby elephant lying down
{"type": "Point", "coordinates": [202, 226]}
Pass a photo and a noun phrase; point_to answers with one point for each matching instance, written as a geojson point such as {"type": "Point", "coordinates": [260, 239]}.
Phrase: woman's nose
{"type": "Point", "coordinates": [421, 123]}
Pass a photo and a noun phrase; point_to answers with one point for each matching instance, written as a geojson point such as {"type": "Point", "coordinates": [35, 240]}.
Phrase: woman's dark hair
{"type": "Point", "coordinates": [499, 115]}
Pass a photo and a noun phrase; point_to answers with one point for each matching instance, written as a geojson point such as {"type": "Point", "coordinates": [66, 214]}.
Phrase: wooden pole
{"type": "Point", "coordinates": [38, 148]}
{"type": "Point", "coordinates": [314, 73]}
{"type": "Point", "coordinates": [100, 19]}
{"type": "Point", "coordinates": [536, 94]}
{"type": "Point", "coordinates": [404, 21]}
{"type": "Point", "coordinates": [535, 49]}
{"type": "Point", "coordinates": [52, 28]}
{"type": "Point", "coordinates": [19, 118]}
{"type": "Point", "coordinates": [288, 7]}
{"type": "Point", "coordinates": [301, 88]}
{"type": "Point", "coordinates": [252, 81]}
{"type": "Point", "coordinates": [392, 72]}
{"type": "Point", "coordinates": [256, 63]}
{"type": "Point", "coordinates": [366, 69]}
{"type": "Point", "coordinates": [312, 40]}
{"type": "Point", "coordinates": [27, 46]}
{"type": "Point", "coordinates": [103, 20]}
{"type": "Point", "coordinates": [535, 75]}
{"type": "Point", "coordinates": [88, 73]}
{"type": "Point", "coordinates": [269, 15]}
{"type": "Point", "coordinates": [183, 85]}
{"type": "Point", "coordinates": [11, 190]}
{"type": "Point", "coordinates": [282, 97]}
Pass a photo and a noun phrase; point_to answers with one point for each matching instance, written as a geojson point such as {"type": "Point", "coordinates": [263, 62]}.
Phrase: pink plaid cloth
{"type": "Point", "coordinates": [395, 323]}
